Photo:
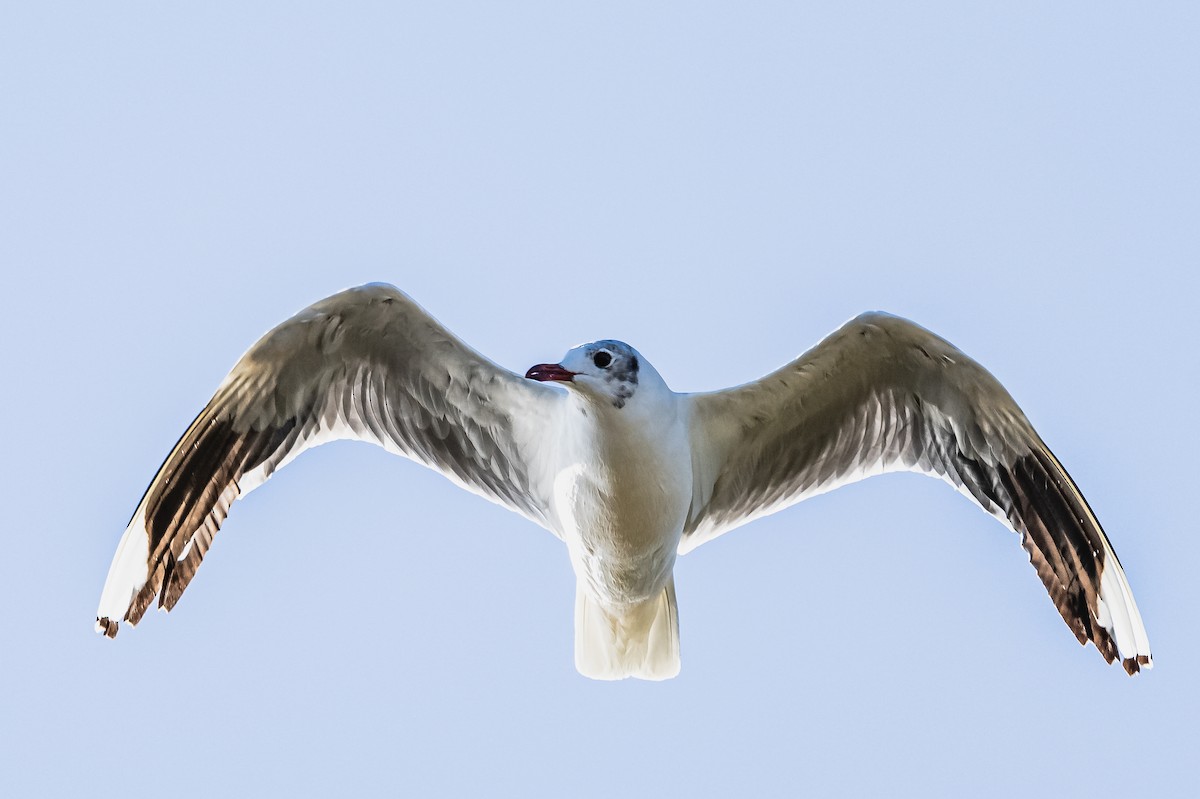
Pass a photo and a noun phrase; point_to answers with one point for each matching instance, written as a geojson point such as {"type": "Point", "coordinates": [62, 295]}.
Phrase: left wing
{"type": "Point", "coordinates": [367, 364]}
{"type": "Point", "coordinates": [882, 395]}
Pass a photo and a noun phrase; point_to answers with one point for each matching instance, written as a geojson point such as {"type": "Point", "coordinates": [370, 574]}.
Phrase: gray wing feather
{"type": "Point", "coordinates": [878, 395]}
{"type": "Point", "coordinates": [882, 395]}
{"type": "Point", "coordinates": [366, 364]}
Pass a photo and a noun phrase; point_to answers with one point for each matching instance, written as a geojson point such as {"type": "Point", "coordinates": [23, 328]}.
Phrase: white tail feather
{"type": "Point", "coordinates": [642, 641]}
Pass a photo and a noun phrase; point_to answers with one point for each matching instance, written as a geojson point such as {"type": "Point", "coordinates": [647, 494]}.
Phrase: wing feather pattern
{"type": "Point", "coordinates": [881, 395]}
{"type": "Point", "coordinates": [366, 364]}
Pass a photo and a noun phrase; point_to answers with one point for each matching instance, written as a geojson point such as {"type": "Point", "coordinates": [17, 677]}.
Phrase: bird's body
{"type": "Point", "coordinates": [622, 490]}
{"type": "Point", "coordinates": [626, 472]}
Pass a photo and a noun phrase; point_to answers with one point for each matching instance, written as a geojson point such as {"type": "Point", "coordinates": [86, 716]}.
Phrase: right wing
{"type": "Point", "coordinates": [884, 395]}
{"type": "Point", "coordinates": [367, 364]}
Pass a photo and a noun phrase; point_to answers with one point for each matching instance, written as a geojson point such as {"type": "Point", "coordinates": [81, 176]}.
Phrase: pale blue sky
{"type": "Point", "coordinates": [718, 184]}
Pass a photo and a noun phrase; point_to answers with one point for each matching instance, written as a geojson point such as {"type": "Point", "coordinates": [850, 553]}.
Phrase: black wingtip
{"type": "Point", "coordinates": [1134, 665]}
{"type": "Point", "coordinates": [106, 626]}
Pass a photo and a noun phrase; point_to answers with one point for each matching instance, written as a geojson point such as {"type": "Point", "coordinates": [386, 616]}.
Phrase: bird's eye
{"type": "Point", "coordinates": [602, 359]}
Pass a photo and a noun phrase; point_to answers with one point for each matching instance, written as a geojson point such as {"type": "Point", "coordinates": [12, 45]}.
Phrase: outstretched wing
{"type": "Point", "coordinates": [882, 395]}
{"type": "Point", "coordinates": [367, 364]}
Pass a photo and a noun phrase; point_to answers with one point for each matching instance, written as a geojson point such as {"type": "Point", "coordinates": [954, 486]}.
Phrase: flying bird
{"type": "Point", "coordinates": [626, 472]}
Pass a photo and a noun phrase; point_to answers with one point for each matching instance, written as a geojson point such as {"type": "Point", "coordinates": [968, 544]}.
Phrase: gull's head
{"type": "Point", "coordinates": [608, 370]}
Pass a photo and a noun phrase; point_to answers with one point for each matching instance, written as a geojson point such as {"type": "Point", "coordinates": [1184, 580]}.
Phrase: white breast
{"type": "Point", "coordinates": [621, 496]}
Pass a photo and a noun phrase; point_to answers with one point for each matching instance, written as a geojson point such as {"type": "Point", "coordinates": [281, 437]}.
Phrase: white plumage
{"type": "Point", "coordinates": [622, 469]}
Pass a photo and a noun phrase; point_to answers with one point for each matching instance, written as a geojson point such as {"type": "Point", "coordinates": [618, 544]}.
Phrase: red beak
{"type": "Point", "coordinates": [550, 371]}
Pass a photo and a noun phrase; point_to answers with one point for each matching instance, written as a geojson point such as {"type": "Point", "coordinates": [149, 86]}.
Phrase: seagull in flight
{"type": "Point", "coordinates": [626, 472]}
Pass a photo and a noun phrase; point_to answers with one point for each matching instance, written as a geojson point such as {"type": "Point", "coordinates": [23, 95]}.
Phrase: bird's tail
{"type": "Point", "coordinates": [642, 641]}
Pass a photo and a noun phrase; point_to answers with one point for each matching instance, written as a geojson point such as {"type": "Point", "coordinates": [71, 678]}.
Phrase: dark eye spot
{"type": "Point", "coordinates": [602, 359]}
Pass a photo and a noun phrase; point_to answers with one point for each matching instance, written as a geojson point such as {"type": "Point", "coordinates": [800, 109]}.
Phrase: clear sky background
{"type": "Point", "coordinates": [718, 184]}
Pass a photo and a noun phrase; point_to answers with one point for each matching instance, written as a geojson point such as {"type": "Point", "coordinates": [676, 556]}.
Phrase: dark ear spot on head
{"type": "Point", "coordinates": [633, 364]}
